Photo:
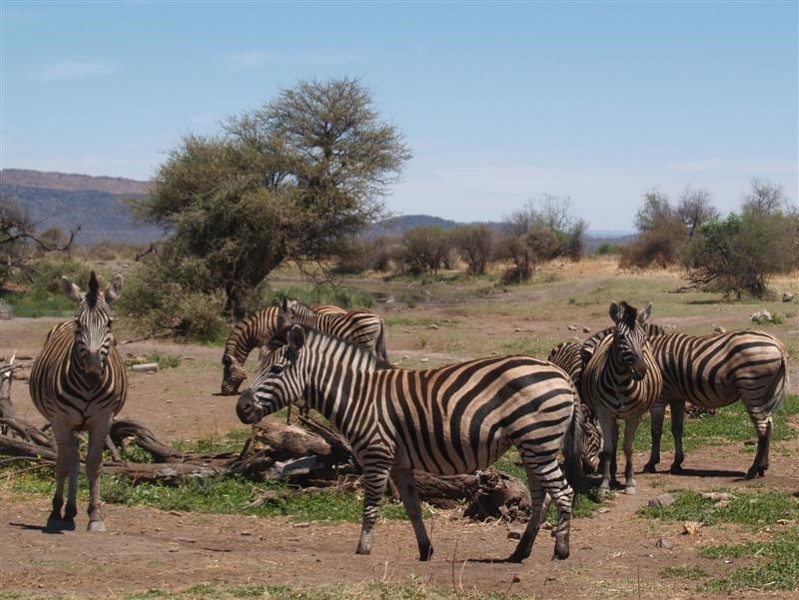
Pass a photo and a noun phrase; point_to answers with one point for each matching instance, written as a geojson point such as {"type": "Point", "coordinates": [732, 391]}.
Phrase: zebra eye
{"type": "Point", "coordinates": [276, 369]}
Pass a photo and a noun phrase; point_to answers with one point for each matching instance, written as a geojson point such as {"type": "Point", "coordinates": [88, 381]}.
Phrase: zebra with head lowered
{"type": "Point", "coordinates": [621, 380]}
{"type": "Point", "coordinates": [78, 382]}
{"type": "Point", "coordinates": [250, 333]}
{"type": "Point", "coordinates": [712, 371]}
{"type": "Point", "coordinates": [455, 419]}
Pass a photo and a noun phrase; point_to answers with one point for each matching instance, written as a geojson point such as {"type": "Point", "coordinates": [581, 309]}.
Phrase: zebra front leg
{"type": "Point", "coordinates": [375, 478]}
{"type": "Point", "coordinates": [67, 450]}
{"type": "Point", "coordinates": [406, 485]}
{"type": "Point", "coordinates": [764, 427]}
{"type": "Point", "coordinates": [94, 465]}
{"type": "Point", "coordinates": [657, 415]}
{"type": "Point", "coordinates": [677, 423]}
{"type": "Point", "coordinates": [630, 426]}
{"type": "Point", "coordinates": [606, 423]}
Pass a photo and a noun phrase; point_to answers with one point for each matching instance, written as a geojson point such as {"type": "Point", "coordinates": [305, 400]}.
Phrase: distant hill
{"type": "Point", "coordinates": [68, 200]}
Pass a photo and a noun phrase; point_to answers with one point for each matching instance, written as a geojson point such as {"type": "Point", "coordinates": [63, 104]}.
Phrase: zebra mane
{"type": "Point", "coordinates": [280, 339]}
{"type": "Point", "coordinates": [94, 290]}
{"type": "Point", "coordinates": [630, 315]}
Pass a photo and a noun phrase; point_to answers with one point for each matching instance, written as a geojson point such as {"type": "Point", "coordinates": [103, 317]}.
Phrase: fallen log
{"type": "Point", "coordinates": [498, 496]}
{"type": "Point", "coordinates": [14, 447]}
{"type": "Point", "coordinates": [146, 439]}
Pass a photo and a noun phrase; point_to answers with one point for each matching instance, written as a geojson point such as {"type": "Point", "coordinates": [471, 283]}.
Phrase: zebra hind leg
{"type": "Point", "coordinates": [537, 513]}
{"type": "Point", "coordinates": [657, 415]}
{"type": "Point", "coordinates": [375, 478]}
{"type": "Point", "coordinates": [760, 465]}
{"type": "Point", "coordinates": [677, 424]}
{"type": "Point", "coordinates": [406, 485]}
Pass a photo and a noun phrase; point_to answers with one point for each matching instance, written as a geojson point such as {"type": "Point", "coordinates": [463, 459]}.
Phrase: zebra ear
{"type": "Point", "coordinates": [71, 290]}
{"type": "Point", "coordinates": [644, 315]}
{"type": "Point", "coordinates": [296, 340]}
{"type": "Point", "coordinates": [616, 312]}
{"type": "Point", "coordinates": [114, 289]}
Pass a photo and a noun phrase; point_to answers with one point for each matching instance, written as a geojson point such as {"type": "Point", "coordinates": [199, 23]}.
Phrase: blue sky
{"type": "Point", "coordinates": [500, 103]}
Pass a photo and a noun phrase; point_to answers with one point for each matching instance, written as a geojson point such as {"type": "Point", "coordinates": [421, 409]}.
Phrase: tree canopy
{"type": "Point", "coordinates": [288, 181]}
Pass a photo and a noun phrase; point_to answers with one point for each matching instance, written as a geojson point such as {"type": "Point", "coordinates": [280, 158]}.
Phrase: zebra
{"type": "Point", "coordinates": [621, 380]}
{"type": "Point", "coordinates": [250, 333]}
{"type": "Point", "coordinates": [712, 371]}
{"type": "Point", "coordinates": [567, 356]}
{"type": "Point", "coordinates": [454, 419]}
{"type": "Point", "coordinates": [78, 382]}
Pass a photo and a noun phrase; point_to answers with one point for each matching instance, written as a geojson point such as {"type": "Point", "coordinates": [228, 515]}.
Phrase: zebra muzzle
{"type": "Point", "coordinates": [247, 409]}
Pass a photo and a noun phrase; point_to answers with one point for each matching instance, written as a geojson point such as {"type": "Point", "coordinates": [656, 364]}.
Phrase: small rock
{"type": "Point", "coordinates": [185, 540]}
{"type": "Point", "coordinates": [145, 368]}
{"type": "Point", "coordinates": [788, 296]}
{"type": "Point", "coordinates": [719, 329]}
{"type": "Point", "coordinates": [691, 527]}
{"type": "Point", "coordinates": [424, 360]}
{"type": "Point", "coordinates": [572, 327]}
{"type": "Point", "coordinates": [717, 496]}
{"type": "Point", "coordinates": [516, 578]}
{"type": "Point", "coordinates": [762, 316]}
{"type": "Point", "coordinates": [301, 525]}
{"type": "Point", "coordinates": [405, 357]}
{"type": "Point", "coordinates": [515, 533]}
{"type": "Point", "coordinates": [432, 326]}
{"type": "Point", "coordinates": [662, 501]}
{"type": "Point", "coordinates": [517, 329]}
{"type": "Point", "coordinates": [246, 532]}
{"type": "Point", "coordinates": [602, 511]}
{"type": "Point", "coordinates": [586, 330]}
{"type": "Point", "coordinates": [664, 543]}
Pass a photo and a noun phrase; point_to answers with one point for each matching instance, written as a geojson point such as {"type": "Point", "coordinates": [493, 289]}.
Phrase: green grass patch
{"type": "Point", "coordinates": [325, 293]}
{"type": "Point", "coordinates": [165, 361]}
{"type": "Point", "coordinates": [752, 509]}
{"type": "Point", "coordinates": [232, 441]}
{"type": "Point", "coordinates": [684, 572]}
{"type": "Point", "coordinates": [33, 306]}
{"type": "Point", "coordinates": [529, 345]}
{"type": "Point", "coordinates": [777, 565]}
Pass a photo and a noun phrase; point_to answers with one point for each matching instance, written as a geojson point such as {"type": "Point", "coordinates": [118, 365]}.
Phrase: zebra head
{"type": "Point", "coordinates": [232, 375]}
{"type": "Point", "coordinates": [629, 336]}
{"type": "Point", "coordinates": [93, 337]}
{"type": "Point", "coordinates": [278, 383]}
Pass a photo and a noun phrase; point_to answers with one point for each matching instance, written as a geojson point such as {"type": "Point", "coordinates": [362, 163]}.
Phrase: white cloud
{"type": "Point", "coordinates": [242, 61]}
{"type": "Point", "coordinates": [76, 69]}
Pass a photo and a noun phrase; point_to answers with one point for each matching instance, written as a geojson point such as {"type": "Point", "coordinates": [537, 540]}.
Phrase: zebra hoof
{"type": "Point", "coordinates": [630, 490]}
{"type": "Point", "coordinates": [517, 557]}
{"type": "Point", "coordinates": [60, 525]}
{"type": "Point", "coordinates": [650, 468]}
{"type": "Point", "coordinates": [95, 526]}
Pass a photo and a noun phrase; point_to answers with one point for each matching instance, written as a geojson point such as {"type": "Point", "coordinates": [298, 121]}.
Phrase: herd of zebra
{"type": "Point", "coordinates": [454, 419]}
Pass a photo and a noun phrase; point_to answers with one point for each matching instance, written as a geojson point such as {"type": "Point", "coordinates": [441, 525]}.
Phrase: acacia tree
{"type": "Point", "coordinates": [288, 181]}
{"type": "Point", "coordinates": [19, 239]}
{"type": "Point", "coordinates": [476, 246]}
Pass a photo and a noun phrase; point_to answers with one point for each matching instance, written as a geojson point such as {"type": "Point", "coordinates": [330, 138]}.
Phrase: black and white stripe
{"type": "Point", "coordinates": [568, 356]}
{"type": "Point", "coordinates": [621, 380]}
{"type": "Point", "coordinates": [78, 382]}
{"type": "Point", "coordinates": [455, 419]}
{"type": "Point", "coordinates": [712, 371]}
{"type": "Point", "coordinates": [250, 333]}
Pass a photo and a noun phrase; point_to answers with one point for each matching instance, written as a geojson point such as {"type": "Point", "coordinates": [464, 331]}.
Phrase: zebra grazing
{"type": "Point", "coordinates": [248, 334]}
{"type": "Point", "coordinates": [78, 383]}
{"type": "Point", "coordinates": [455, 419]}
{"type": "Point", "coordinates": [712, 371]}
{"type": "Point", "coordinates": [568, 357]}
{"type": "Point", "coordinates": [621, 380]}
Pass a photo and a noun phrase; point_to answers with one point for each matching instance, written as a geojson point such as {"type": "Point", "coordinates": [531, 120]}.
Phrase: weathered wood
{"type": "Point", "coordinates": [14, 447]}
{"type": "Point", "coordinates": [290, 441]}
{"type": "Point", "coordinates": [498, 496]}
{"type": "Point", "coordinates": [146, 439]}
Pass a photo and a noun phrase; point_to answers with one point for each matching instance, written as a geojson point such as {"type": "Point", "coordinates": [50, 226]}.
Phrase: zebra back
{"type": "Point", "coordinates": [360, 327]}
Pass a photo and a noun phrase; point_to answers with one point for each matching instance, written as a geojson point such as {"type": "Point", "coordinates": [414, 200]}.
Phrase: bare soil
{"type": "Point", "coordinates": [613, 553]}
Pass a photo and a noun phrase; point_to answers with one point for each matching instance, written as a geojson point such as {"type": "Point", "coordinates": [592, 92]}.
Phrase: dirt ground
{"type": "Point", "coordinates": [613, 553]}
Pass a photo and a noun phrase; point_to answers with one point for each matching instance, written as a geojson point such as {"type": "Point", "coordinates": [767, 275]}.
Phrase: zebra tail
{"type": "Point", "coordinates": [573, 449]}
{"type": "Point", "coordinates": [778, 390]}
{"type": "Point", "coordinates": [380, 345]}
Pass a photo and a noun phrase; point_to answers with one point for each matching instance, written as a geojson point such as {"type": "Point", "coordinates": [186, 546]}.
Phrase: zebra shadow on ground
{"type": "Point", "coordinates": [42, 528]}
